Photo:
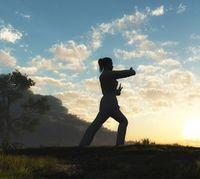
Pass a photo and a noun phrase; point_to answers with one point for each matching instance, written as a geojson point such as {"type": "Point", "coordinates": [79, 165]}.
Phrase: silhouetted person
{"type": "Point", "coordinates": [108, 105]}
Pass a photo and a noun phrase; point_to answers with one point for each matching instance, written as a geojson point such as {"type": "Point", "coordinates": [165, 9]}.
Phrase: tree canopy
{"type": "Point", "coordinates": [15, 94]}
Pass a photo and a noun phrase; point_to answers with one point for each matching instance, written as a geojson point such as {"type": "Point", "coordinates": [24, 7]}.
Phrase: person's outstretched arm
{"type": "Point", "coordinates": [122, 73]}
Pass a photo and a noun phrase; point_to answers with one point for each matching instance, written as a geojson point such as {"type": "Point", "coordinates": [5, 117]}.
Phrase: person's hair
{"type": "Point", "coordinates": [103, 62]}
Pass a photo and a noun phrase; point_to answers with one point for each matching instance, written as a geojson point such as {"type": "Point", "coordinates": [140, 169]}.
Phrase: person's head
{"type": "Point", "coordinates": [105, 64]}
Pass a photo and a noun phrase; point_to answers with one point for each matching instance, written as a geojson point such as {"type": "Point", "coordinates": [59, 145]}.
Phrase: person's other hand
{"type": "Point", "coordinates": [118, 91]}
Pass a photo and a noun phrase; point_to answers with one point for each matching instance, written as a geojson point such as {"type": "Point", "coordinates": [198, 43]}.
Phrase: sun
{"type": "Point", "coordinates": [191, 130]}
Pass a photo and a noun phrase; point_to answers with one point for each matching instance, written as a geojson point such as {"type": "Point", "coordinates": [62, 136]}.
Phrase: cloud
{"type": "Point", "coordinates": [156, 54]}
{"type": "Point", "coordinates": [169, 62]}
{"type": "Point", "coordinates": [158, 11]}
{"type": "Point", "coordinates": [127, 21]}
{"type": "Point", "coordinates": [118, 25]}
{"type": "Point", "coordinates": [194, 54]}
{"type": "Point", "coordinates": [147, 91]}
{"type": "Point", "coordinates": [148, 69]}
{"type": "Point", "coordinates": [156, 87]}
{"type": "Point", "coordinates": [42, 81]}
{"type": "Point", "coordinates": [143, 47]}
{"type": "Point", "coordinates": [26, 16]}
{"type": "Point", "coordinates": [83, 105]}
{"type": "Point", "coordinates": [92, 84]}
{"type": "Point", "coordinates": [127, 54]}
{"type": "Point", "coordinates": [129, 100]}
{"type": "Point", "coordinates": [195, 37]}
{"type": "Point", "coordinates": [27, 70]}
{"type": "Point", "coordinates": [7, 59]}
{"type": "Point", "coordinates": [72, 53]}
{"type": "Point", "coordinates": [95, 65]}
{"type": "Point", "coordinates": [194, 93]}
{"type": "Point", "coordinates": [153, 82]}
{"type": "Point", "coordinates": [45, 83]}
{"type": "Point", "coordinates": [96, 38]}
{"type": "Point", "coordinates": [169, 44]}
{"type": "Point", "coordinates": [55, 65]}
{"type": "Point", "coordinates": [181, 9]}
{"type": "Point", "coordinates": [156, 95]}
{"type": "Point", "coordinates": [41, 63]}
{"type": "Point", "coordinates": [180, 77]}
{"type": "Point", "coordinates": [78, 66]}
{"type": "Point", "coordinates": [146, 45]}
{"type": "Point", "coordinates": [134, 37]}
{"type": "Point", "coordinates": [9, 34]}
{"type": "Point", "coordinates": [119, 67]}
{"type": "Point", "coordinates": [140, 43]}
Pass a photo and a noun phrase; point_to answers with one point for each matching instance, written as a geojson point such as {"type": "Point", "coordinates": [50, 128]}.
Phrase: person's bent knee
{"type": "Point", "coordinates": [124, 122]}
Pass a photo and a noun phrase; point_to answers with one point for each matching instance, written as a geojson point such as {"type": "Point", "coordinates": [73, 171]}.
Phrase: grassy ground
{"type": "Point", "coordinates": [134, 161]}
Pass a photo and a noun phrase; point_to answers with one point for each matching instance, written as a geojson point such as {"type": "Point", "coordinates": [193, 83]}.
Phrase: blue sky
{"type": "Point", "coordinates": [58, 43]}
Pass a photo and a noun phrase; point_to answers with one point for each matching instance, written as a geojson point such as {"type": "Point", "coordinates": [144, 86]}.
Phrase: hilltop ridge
{"type": "Point", "coordinates": [131, 161]}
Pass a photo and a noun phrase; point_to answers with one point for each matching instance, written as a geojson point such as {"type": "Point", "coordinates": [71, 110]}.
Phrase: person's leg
{"type": "Point", "coordinates": [93, 128]}
{"type": "Point", "coordinates": [123, 122]}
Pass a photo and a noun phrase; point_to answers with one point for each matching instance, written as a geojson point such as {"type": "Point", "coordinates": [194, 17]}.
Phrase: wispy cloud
{"type": "Point", "coordinates": [72, 53]}
{"type": "Point", "coordinates": [160, 88]}
{"type": "Point", "coordinates": [7, 59]}
{"type": "Point", "coordinates": [76, 101]}
{"type": "Point", "coordinates": [119, 53]}
{"type": "Point", "coordinates": [27, 70]}
{"type": "Point", "coordinates": [9, 34]}
{"type": "Point", "coordinates": [181, 77]}
{"type": "Point", "coordinates": [181, 8]}
{"type": "Point", "coordinates": [92, 84]}
{"type": "Point", "coordinates": [158, 11]}
{"type": "Point", "coordinates": [41, 63]}
{"type": "Point", "coordinates": [42, 81]}
{"type": "Point", "coordinates": [194, 54]}
{"type": "Point", "coordinates": [169, 44]}
{"type": "Point", "coordinates": [95, 38]}
{"type": "Point", "coordinates": [156, 54]}
{"type": "Point", "coordinates": [148, 69]}
{"type": "Point", "coordinates": [195, 36]}
{"type": "Point", "coordinates": [26, 16]}
{"type": "Point", "coordinates": [116, 26]}
{"type": "Point", "coordinates": [134, 37]}
{"type": "Point", "coordinates": [143, 47]}
{"type": "Point", "coordinates": [169, 62]}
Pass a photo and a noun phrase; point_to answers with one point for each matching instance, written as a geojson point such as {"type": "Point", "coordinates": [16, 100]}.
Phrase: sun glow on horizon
{"type": "Point", "coordinates": [191, 130]}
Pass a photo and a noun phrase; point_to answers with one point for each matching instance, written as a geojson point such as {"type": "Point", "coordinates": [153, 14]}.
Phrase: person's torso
{"type": "Point", "coordinates": [108, 84]}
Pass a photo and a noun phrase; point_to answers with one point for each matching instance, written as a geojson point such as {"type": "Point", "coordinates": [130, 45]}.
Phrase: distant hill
{"type": "Point", "coordinates": [63, 133]}
{"type": "Point", "coordinates": [60, 128]}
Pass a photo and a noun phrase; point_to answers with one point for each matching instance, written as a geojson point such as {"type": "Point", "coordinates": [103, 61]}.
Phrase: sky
{"type": "Point", "coordinates": [58, 43]}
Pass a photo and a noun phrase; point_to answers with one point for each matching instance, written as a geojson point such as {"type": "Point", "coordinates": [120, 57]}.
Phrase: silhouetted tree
{"type": "Point", "coordinates": [13, 86]}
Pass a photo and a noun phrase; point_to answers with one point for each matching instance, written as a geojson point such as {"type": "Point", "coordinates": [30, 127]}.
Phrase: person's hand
{"type": "Point", "coordinates": [118, 91]}
{"type": "Point", "coordinates": [133, 71]}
